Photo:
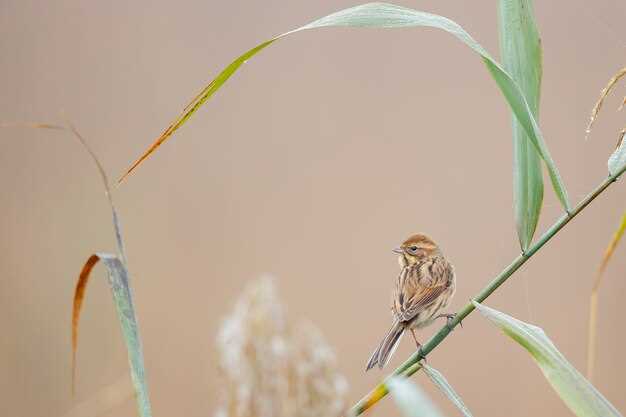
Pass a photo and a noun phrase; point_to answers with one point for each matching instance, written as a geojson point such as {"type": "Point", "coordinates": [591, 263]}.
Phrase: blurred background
{"type": "Point", "coordinates": [315, 160]}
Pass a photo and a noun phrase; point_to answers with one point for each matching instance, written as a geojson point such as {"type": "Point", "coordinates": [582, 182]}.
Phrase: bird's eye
{"type": "Point", "coordinates": [413, 249]}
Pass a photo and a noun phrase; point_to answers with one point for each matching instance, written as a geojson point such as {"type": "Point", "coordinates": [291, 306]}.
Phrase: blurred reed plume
{"type": "Point", "coordinates": [272, 366]}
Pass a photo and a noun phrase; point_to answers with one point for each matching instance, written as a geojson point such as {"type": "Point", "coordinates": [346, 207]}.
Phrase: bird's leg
{"type": "Point", "coordinates": [418, 344]}
{"type": "Point", "coordinates": [449, 317]}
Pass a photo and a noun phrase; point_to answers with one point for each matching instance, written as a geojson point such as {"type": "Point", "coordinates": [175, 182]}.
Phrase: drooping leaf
{"type": "Point", "coordinates": [383, 15]}
{"type": "Point", "coordinates": [603, 95]}
{"type": "Point", "coordinates": [617, 160]}
{"type": "Point", "coordinates": [123, 298]}
{"type": "Point", "coordinates": [120, 289]}
{"type": "Point", "coordinates": [410, 399]}
{"type": "Point", "coordinates": [79, 296]}
{"type": "Point", "coordinates": [576, 392]}
{"type": "Point", "coordinates": [522, 59]}
{"type": "Point", "coordinates": [593, 302]}
{"type": "Point", "coordinates": [442, 383]}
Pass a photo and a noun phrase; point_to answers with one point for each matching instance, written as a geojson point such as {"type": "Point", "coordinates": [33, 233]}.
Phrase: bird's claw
{"type": "Point", "coordinates": [449, 317]}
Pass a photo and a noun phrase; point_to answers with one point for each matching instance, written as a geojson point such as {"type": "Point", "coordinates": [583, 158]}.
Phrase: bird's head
{"type": "Point", "coordinates": [416, 248]}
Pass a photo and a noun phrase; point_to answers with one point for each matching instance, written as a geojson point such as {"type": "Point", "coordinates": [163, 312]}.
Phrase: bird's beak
{"type": "Point", "coordinates": [399, 251]}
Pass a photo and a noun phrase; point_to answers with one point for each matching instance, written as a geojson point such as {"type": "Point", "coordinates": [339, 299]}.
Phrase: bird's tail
{"type": "Point", "coordinates": [387, 347]}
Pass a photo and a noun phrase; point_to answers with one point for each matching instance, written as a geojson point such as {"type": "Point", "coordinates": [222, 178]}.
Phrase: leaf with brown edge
{"type": "Point", "coordinates": [119, 283]}
{"type": "Point", "coordinates": [79, 295]}
{"type": "Point", "coordinates": [593, 302]}
{"type": "Point", "coordinates": [603, 95]}
{"type": "Point", "coordinates": [195, 104]}
{"type": "Point", "coordinates": [118, 279]}
{"type": "Point", "coordinates": [384, 15]}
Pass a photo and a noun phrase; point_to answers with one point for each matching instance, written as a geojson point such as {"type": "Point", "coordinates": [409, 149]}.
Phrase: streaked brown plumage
{"type": "Point", "coordinates": [425, 285]}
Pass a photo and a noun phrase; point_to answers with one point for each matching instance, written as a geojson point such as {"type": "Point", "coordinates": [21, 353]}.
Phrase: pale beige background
{"type": "Point", "coordinates": [312, 163]}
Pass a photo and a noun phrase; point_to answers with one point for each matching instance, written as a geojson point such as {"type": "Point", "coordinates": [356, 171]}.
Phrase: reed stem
{"type": "Point", "coordinates": [412, 364]}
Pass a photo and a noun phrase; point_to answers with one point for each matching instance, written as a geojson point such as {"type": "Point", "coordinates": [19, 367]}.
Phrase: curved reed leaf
{"type": "Point", "coordinates": [79, 296]}
{"type": "Point", "coordinates": [576, 392]}
{"type": "Point", "coordinates": [383, 15]}
{"type": "Point", "coordinates": [119, 284]}
{"type": "Point", "coordinates": [444, 386]}
{"type": "Point", "coordinates": [521, 56]}
{"type": "Point", "coordinates": [410, 399]}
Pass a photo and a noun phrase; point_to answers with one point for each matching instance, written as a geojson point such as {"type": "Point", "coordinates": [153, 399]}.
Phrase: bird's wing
{"type": "Point", "coordinates": [414, 293]}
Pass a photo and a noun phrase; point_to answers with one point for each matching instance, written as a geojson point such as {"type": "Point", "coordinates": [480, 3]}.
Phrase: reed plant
{"type": "Point", "coordinates": [267, 363]}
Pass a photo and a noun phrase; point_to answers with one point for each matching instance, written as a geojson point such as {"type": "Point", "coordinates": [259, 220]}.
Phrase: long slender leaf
{"type": "Point", "coordinates": [521, 57]}
{"type": "Point", "coordinates": [383, 15]}
{"type": "Point", "coordinates": [576, 392]}
{"type": "Point", "coordinates": [442, 383]}
{"type": "Point", "coordinates": [120, 289]}
{"type": "Point", "coordinates": [123, 298]}
{"type": "Point", "coordinates": [593, 301]}
{"type": "Point", "coordinates": [410, 399]}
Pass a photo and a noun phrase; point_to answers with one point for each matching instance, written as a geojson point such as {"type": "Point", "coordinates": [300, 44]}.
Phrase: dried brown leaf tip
{"type": "Point", "coordinates": [79, 295]}
{"type": "Point", "coordinates": [605, 92]}
{"type": "Point", "coordinates": [608, 253]}
{"type": "Point", "coordinates": [273, 367]}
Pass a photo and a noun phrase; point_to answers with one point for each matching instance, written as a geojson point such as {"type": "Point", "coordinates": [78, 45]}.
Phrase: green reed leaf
{"type": "Point", "coordinates": [442, 383]}
{"type": "Point", "coordinates": [118, 282]}
{"type": "Point", "coordinates": [123, 299]}
{"type": "Point", "coordinates": [411, 400]}
{"type": "Point", "coordinates": [520, 47]}
{"type": "Point", "coordinates": [120, 289]}
{"type": "Point", "coordinates": [383, 15]}
{"type": "Point", "coordinates": [576, 392]}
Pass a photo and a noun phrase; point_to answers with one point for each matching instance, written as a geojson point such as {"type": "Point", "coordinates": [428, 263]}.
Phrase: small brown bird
{"type": "Point", "coordinates": [425, 285]}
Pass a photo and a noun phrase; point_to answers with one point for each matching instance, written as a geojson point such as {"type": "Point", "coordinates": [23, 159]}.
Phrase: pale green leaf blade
{"type": "Point", "coordinates": [123, 298]}
{"type": "Point", "coordinates": [520, 47]}
{"type": "Point", "coordinates": [444, 386]}
{"type": "Point", "coordinates": [617, 160]}
{"type": "Point", "coordinates": [410, 399]}
{"type": "Point", "coordinates": [383, 15]}
{"type": "Point", "coordinates": [118, 282]}
{"type": "Point", "coordinates": [578, 394]}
